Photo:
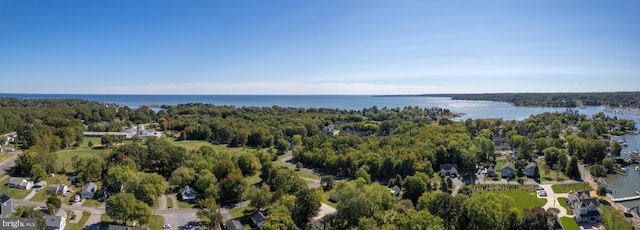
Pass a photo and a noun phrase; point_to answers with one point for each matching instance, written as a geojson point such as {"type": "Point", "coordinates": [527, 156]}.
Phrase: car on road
{"type": "Point", "coordinates": [166, 226]}
{"type": "Point", "coordinates": [540, 188]}
{"type": "Point", "coordinates": [542, 193]}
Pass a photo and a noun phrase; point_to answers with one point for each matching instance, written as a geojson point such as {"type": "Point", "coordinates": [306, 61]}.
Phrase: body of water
{"type": "Point", "coordinates": [470, 109]}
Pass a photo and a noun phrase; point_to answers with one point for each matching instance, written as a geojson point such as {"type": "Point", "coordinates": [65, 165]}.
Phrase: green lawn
{"type": "Point", "coordinates": [253, 179]}
{"type": "Point", "coordinates": [563, 203]}
{"type": "Point", "coordinates": [523, 199]}
{"type": "Point", "coordinates": [4, 156]}
{"type": "Point", "coordinates": [41, 196]}
{"type": "Point", "coordinates": [301, 173]}
{"type": "Point", "coordinates": [64, 156]}
{"type": "Point", "coordinates": [548, 174]}
{"type": "Point", "coordinates": [612, 219]}
{"type": "Point", "coordinates": [239, 212]}
{"type": "Point", "coordinates": [80, 224]}
{"type": "Point", "coordinates": [91, 203]}
{"type": "Point", "coordinates": [569, 223]}
{"type": "Point", "coordinates": [196, 144]}
{"type": "Point", "coordinates": [566, 188]}
{"type": "Point", "coordinates": [182, 204]}
{"type": "Point", "coordinates": [169, 202]}
{"type": "Point", "coordinates": [12, 192]}
{"type": "Point", "coordinates": [156, 222]}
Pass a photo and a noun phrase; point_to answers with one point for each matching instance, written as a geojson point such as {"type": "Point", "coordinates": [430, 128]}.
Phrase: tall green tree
{"type": "Point", "coordinates": [209, 213]}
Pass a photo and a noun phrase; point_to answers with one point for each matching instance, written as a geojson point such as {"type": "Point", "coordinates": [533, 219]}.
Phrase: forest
{"type": "Point", "coordinates": [570, 100]}
{"type": "Point", "coordinates": [360, 153]}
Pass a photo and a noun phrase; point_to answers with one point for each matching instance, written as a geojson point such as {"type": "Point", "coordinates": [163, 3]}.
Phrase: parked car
{"type": "Point", "coordinates": [539, 188]}
{"type": "Point", "coordinates": [166, 226]}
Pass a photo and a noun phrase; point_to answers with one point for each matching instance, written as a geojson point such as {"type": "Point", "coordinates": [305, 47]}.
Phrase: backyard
{"type": "Point", "coordinates": [524, 196]}
{"type": "Point", "coordinates": [566, 188]}
{"type": "Point", "coordinates": [12, 192]}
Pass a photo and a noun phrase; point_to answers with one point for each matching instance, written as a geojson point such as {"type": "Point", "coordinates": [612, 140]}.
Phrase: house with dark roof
{"type": "Point", "coordinates": [448, 170]}
{"type": "Point", "coordinates": [585, 208]}
{"type": "Point", "coordinates": [187, 193]}
{"type": "Point", "coordinates": [57, 221]}
{"type": "Point", "coordinates": [20, 183]}
{"type": "Point", "coordinates": [57, 188]}
{"type": "Point", "coordinates": [6, 206]}
{"type": "Point", "coordinates": [89, 190]}
{"type": "Point", "coordinates": [530, 169]}
{"type": "Point", "coordinates": [491, 170]}
{"type": "Point", "coordinates": [257, 218]}
{"type": "Point", "coordinates": [507, 170]}
{"type": "Point", "coordinates": [234, 224]}
{"type": "Point", "coordinates": [395, 190]}
{"type": "Point", "coordinates": [120, 227]}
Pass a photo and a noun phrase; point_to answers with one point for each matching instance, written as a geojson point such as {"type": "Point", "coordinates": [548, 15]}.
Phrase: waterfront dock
{"type": "Point", "coordinates": [629, 198]}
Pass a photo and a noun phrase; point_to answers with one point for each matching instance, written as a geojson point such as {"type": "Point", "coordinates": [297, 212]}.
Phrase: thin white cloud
{"type": "Point", "coordinates": [269, 88]}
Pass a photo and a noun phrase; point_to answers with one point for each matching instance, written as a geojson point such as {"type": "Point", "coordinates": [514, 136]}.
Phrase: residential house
{"type": "Point", "coordinates": [234, 225]}
{"type": "Point", "coordinates": [187, 193]}
{"type": "Point", "coordinates": [120, 227]}
{"type": "Point", "coordinates": [57, 188]}
{"type": "Point", "coordinates": [9, 150]}
{"type": "Point", "coordinates": [57, 221]}
{"type": "Point", "coordinates": [507, 170]}
{"type": "Point", "coordinates": [11, 137]}
{"type": "Point", "coordinates": [89, 190]}
{"type": "Point", "coordinates": [395, 190]}
{"type": "Point", "coordinates": [448, 170]}
{"type": "Point", "coordinates": [20, 183]}
{"type": "Point", "coordinates": [6, 206]}
{"type": "Point", "coordinates": [585, 208]}
{"type": "Point", "coordinates": [257, 218]}
{"type": "Point", "coordinates": [530, 169]}
{"type": "Point", "coordinates": [491, 170]}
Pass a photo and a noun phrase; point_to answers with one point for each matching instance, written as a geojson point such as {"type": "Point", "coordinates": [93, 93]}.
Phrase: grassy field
{"type": "Point", "coordinates": [522, 199]}
{"type": "Point", "coordinates": [612, 219]}
{"type": "Point", "coordinates": [301, 173]}
{"type": "Point", "coordinates": [548, 174]}
{"type": "Point", "coordinates": [12, 192]}
{"type": "Point", "coordinates": [563, 203]}
{"type": "Point", "coordinates": [80, 224]}
{"type": "Point", "coordinates": [253, 179]}
{"type": "Point", "coordinates": [156, 222]}
{"type": "Point", "coordinates": [239, 212]}
{"type": "Point", "coordinates": [91, 203]}
{"type": "Point", "coordinates": [5, 155]}
{"type": "Point", "coordinates": [182, 204]}
{"type": "Point", "coordinates": [566, 188]}
{"type": "Point", "coordinates": [569, 223]}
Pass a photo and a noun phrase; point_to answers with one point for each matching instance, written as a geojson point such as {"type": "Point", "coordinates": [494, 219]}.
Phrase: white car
{"type": "Point", "coordinates": [166, 226]}
{"type": "Point", "coordinates": [539, 188]}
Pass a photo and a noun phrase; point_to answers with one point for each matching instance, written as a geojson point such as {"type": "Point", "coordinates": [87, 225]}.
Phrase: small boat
{"type": "Point", "coordinates": [637, 168]}
{"type": "Point", "coordinates": [623, 169]}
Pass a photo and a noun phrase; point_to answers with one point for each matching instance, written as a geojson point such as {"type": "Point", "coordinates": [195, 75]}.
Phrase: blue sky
{"type": "Point", "coordinates": [318, 47]}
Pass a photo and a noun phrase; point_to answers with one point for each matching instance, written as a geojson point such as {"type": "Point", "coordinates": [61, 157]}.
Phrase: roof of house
{"type": "Point", "coordinates": [90, 187]}
{"type": "Point", "coordinates": [507, 165]}
{"type": "Point", "coordinates": [186, 189]}
{"type": "Point", "coordinates": [234, 225]}
{"type": "Point", "coordinates": [531, 164]}
{"type": "Point", "coordinates": [120, 227]}
{"type": "Point", "coordinates": [56, 188]}
{"type": "Point", "coordinates": [448, 167]}
{"type": "Point", "coordinates": [4, 198]}
{"type": "Point", "coordinates": [16, 180]}
{"type": "Point", "coordinates": [258, 217]}
{"type": "Point", "coordinates": [394, 190]}
{"type": "Point", "coordinates": [52, 221]}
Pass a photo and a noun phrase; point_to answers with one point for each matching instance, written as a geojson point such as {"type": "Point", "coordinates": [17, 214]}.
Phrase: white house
{"type": "Point", "coordinates": [20, 183]}
{"type": "Point", "coordinates": [187, 193]}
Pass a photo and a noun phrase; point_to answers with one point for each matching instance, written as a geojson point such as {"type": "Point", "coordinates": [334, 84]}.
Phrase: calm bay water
{"type": "Point", "coordinates": [471, 109]}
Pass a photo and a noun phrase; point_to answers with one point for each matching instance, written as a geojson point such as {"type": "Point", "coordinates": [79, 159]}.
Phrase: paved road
{"type": "Point", "coordinates": [8, 163]}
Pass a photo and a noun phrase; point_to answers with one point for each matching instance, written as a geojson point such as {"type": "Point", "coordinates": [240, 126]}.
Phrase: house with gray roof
{"type": "Point", "coordinates": [234, 224]}
{"type": "Point", "coordinates": [89, 190]}
{"type": "Point", "coordinates": [6, 206]}
{"type": "Point", "coordinates": [258, 219]}
{"type": "Point", "coordinates": [57, 221]}
{"type": "Point", "coordinates": [507, 170]}
{"type": "Point", "coordinates": [530, 169]}
{"type": "Point", "coordinates": [586, 209]}
{"type": "Point", "coordinates": [20, 183]}
{"type": "Point", "coordinates": [57, 188]}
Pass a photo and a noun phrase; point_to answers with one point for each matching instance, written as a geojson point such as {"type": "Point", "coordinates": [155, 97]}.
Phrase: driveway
{"type": "Point", "coordinates": [324, 210]}
{"type": "Point", "coordinates": [178, 220]}
{"type": "Point", "coordinates": [552, 200]}
{"type": "Point", "coordinates": [162, 202]}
